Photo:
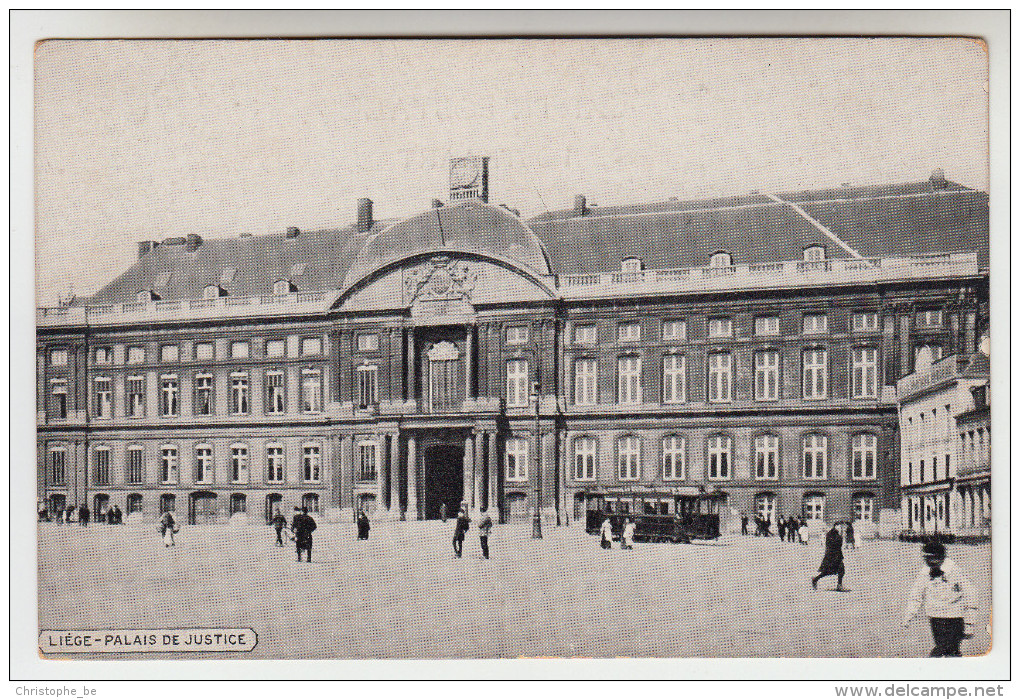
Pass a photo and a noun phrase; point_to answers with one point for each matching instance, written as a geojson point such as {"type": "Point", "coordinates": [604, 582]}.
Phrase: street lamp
{"type": "Point", "coordinates": [536, 518]}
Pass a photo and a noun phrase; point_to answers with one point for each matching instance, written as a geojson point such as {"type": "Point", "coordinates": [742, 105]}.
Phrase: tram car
{"type": "Point", "coordinates": [658, 517]}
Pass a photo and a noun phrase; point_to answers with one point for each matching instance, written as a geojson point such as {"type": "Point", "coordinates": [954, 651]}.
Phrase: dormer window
{"type": "Point", "coordinates": [720, 259]}
{"type": "Point", "coordinates": [146, 295]}
{"type": "Point", "coordinates": [282, 287]}
{"type": "Point", "coordinates": [632, 265]}
{"type": "Point", "coordinates": [213, 291]}
{"type": "Point", "coordinates": [815, 253]}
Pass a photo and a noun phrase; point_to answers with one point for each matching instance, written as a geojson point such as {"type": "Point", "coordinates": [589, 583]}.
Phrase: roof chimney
{"type": "Point", "coordinates": [193, 242]}
{"type": "Point", "coordinates": [580, 205]}
{"type": "Point", "coordinates": [293, 232]}
{"type": "Point", "coordinates": [364, 215]}
{"type": "Point", "coordinates": [145, 246]}
{"type": "Point", "coordinates": [938, 179]}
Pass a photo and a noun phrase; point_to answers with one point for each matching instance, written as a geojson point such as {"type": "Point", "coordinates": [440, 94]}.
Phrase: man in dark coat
{"type": "Point", "coordinates": [83, 515]}
{"type": "Point", "coordinates": [484, 526]}
{"type": "Point", "coordinates": [363, 525]}
{"type": "Point", "coordinates": [781, 529]}
{"type": "Point", "coordinates": [832, 561]}
{"type": "Point", "coordinates": [463, 522]}
{"type": "Point", "coordinates": [279, 522]}
{"type": "Point", "coordinates": [743, 523]}
{"type": "Point", "coordinates": [303, 526]}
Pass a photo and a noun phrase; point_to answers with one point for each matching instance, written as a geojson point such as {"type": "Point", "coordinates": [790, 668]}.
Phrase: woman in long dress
{"type": "Point", "coordinates": [167, 528]}
{"type": "Point", "coordinates": [606, 534]}
{"type": "Point", "coordinates": [832, 561]}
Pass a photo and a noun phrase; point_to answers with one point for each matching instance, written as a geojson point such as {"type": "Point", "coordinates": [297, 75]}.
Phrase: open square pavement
{"type": "Point", "coordinates": [402, 594]}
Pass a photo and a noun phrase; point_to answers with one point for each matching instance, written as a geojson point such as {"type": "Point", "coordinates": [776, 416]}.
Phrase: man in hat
{"type": "Point", "coordinates": [832, 560]}
{"type": "Point", "coordinates": [948, 599]}
{"type": "Point", "coordinates": [459, 530]}
{"type": "Point", "coordinates": [303, 526]}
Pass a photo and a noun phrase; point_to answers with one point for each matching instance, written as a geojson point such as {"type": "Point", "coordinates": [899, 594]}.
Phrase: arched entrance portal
{"type": "Point", "coordinates": [444, 480]}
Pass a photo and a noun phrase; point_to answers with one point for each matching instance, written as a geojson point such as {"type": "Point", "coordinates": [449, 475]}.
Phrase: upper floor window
{"type": "Point", "coordinates": [168, 464]}
{"type": "Point", "coordinates": [239, 349]}
{"type": "Point", "coordinates": [585, 455]}
{"type": "Point", "coordinates": [584, 334]}
{"type": "Point", "coordinates": [674, 330]}
{"type": "Point", "coordinates": [311, 463]}
{"type": "Point", "coordinates": [720, 328]}
{"type": "Point", "coordinates": [628, 458]}
{"type": "Point", "coordinates": [103, 356]}
{"type": "Point", "coordinates": [276, 348]}
{"type": "Point", "coordinates": [517, 383]}
{"type": "Point", "coordinates": [814, 253]}
{"type": "Point", "coordinates": [766, 375]}
{"type": "Point", "coordinates": [204, 351]}
{"type": "Point", "coordinates": [58, 389]}
{"type": "Point", "coordinates": [674, 379]}
{"type": "Point", "coordinates": [932, 318]}
{"type": "Point", "coordinates": [58, 357]}
{"type": "Point", "coordinates": [58, 466]}
{"type": "Point", "coordinates": [585, 382]}
{"type": "Point", "coordinates": [135, 465]}
{"type": "Point", "coordinates": [864, 454]}
{"type": "Point", "coordinates": [766, 325]}
{"type": "Point", "coordinates": [864, 373]}
{"type": "Point", "coordinates": [134, 396]}
{"type": "Point", "coordinates": [864, 322]}
{"type": "Point", "coordinates": [203, 394]}
{"type": "Point", "coordinates": [516, 456]}
{"type": "Point", "coordinates": [368, 342]}
{"type": "Point", "coordinates": [629, 332]}
{"type": "Point", "coordinates": [276, 396]}
{"type": "Point", "coordinates": [720, 259]}
{"type": "Point", "coordinates": [311, 390]}
{"type": "Point", "coordinates": [240, 393]}
{"type": "Point", "coordinates": [367, 395]}
{"type": "Point", "coordinates": [169, 353]}
{"type": "Point", "coordinates": [674, 458]}
{"type": "Point", "coordinates": [103, 403]}
{"type": "Point", "coordinates": [135, 355]}
{"type": "Point", "coordinates": [766, 457]}
{"type": "Point", "coordinates": [815, 374]}
{"type": "Point", "coordinates": [203, 464]}
{"type": "Point", "coordinates": [815, 456]}
{"type": "Point", "coordinates": [311, 346]}
{"type": "Point", "coordinates": [239, 463]}
{"type": "Point", "coordinates": [720, 377]}
{"type": "Point", "coordinates": [629, 380]}
{"type": "Point", "coordinates": [815, 324]}
{"type": "Point", "coordinates": [631, 265]}
{"type": "Point", "coordinates": [515, 335]}
{"type": "Point", "coordinates": [368, 460]}
{"type": "Point", "coordinates": [720, 456]}
{"type": "Point", "coordinates": [168, 395]}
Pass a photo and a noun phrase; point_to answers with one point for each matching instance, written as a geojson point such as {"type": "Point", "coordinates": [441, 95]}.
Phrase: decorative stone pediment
{"type": "Point", "coordinates": [439, 279]}
{"type": "Point", "coordinates": [444, 350]}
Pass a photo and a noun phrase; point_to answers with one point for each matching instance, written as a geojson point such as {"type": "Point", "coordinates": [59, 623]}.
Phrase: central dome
{"type": "Point", "coordinates": [471, 226]}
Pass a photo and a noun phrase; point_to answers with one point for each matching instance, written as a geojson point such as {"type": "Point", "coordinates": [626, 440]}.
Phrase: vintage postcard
{"type": "Point", "coordinates": [409, 349]}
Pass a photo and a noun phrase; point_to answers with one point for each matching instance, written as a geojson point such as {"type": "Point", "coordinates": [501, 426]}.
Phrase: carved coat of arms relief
{"type": "Point", "coordinates": [440, 278]}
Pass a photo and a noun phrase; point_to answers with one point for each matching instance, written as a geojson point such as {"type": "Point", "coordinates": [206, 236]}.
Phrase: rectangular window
{"type": "Point", "coordinates": [101, 468]}
{"type": "Point", "coordinates": [203, 464]}
{"type": "Point", "coordinates": [864, 508]}
{"type": "Point", "coordinates": [135, 355]}
{"type": "Point", "coordinates": [103, 401]}
{"type": "Point", "coordinates": [169, 353]}
{"type": "Point", "coordinates": [274, 463]}
{"type": "Point", "coordinates": [585, 451]}
{"type": "Point", "coordinates": [311, 391]}
{"type": "Point", "coordinates": [864, 373]}
{"type": "Point", "coordinates": [815, 456]}
{"type": "Point", "coordinates": [629, 332]}
{"type": "Point", "coordinates": [719, 457]}
{"type": "Point", "coordinates": [766, 325]}
{"type": "Point", "coordinates": [367, 382]}
{"type": "Point", "coordinates": [58, 392]}
{"type": "Point", "coordinates": [674, 458]}
{"type": "Point", "coordinates": [311, 346]}
{"type": "Point", "coordinates": [516, 459]}
{"type": "Point", "coordinates": [585, 334]}
{"type": "Point", "coordinates": [368, 460]}
{"type": "Point", "coordinates": [766, 375]}
{"type": "Point", "coordinates": [720, 377]}
{"type": "Point", "coordinates": [58, 357]}
{"type": "Point", "coordinates": [168, 465]}
{"type": "Point", "coordinates": [766, 457]}
{"type": "Point", "coordinates": [239, 464]}
{"type": "Point", "coordinates": [135, 396]}
{"type": "Point", "coordinates": [815, 324]}
{"type": "Point", "coordinates": [629, 380]}
{"type": "Point", "coordinates": [674, 330]}
{"type": "Point", "coordinates": [311, 463]}
{"type": "Point", "coordinates": [720, 328]}
{"type": "Point", "coordinates": [58, 466]}
{"type": "Point", "coordinates": [585, 382]}
{"type": "Point", "coordinates": [276, 348]}
{"type": "Point", "coordinates": [239, 349]}
{"type": "Point", "coordinates": [515, 335]}
{"type": "Point", "coordinates": [168, 395]}
{"type": "Point", "coordinates": [103, 356]}
{"type": "Point", "coordinates": [276, 393]}
{"type": "Point", "coordinates": [204, 351]}
{"type": "Point", "coordinates": [135, 469]}
{"type": "Point", "coordinates": [814, 507]}
{"type": "Point", "coordinates": [864, 450]}
{"type": "Point", "coordinates": [368, 342]}
{"type": "Point", "coordinates": [628, 458]}
{"type": "Point", "coordinates": [815, 374]}
{"type": "Point", "coordinates": [517, 383]}
{"type": "Point", "coordinates": [864, 322]}
{"type": "Point", "coordinates": [674, 379]}
{"type": "Point", "coordinates": [203, 394]}
{"type": "Point", "coordinates": [240, 395]}
{"type": "Point", "coordinates": [929, 319]}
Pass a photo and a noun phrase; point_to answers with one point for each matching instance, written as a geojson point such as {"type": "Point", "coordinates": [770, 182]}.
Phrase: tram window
{"type": "Point", "coordinates": [609, 506]}
{"type": "Point", "coordinates": [624, 507]}
{"type": "Point", "coordinates": [650, 507]}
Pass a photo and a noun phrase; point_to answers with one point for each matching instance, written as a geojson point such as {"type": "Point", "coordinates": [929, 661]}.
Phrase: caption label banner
{"type": "Point", "coordinates": [190, 639]}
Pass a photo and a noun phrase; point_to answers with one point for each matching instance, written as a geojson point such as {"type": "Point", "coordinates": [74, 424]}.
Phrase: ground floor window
{"type": "Point", "coordinates": [864, 507]}
{"type": "Point", "coordinates": [311, 502]}
{"type": "Point", "coordinates": [765, 506]}
{"type": "Point", "coordinates": [814, 506]}
{"type": "Point", "coordinates": [134, 503]}
{"type": "Point", "coordinates": [238, 503]}
{"type": "Point", "coordinates": [167, 503]}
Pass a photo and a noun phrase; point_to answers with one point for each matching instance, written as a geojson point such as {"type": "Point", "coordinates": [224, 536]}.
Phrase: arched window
{"type": "Point", "coordinates": [720, 259]}
{"type": "Point", "coordinates": [134, 503]}
{"type": "Point", "coordinates": [628, 458]}
{"type": "Point", "coordinates": [585, 458]}
{"type": "Point", "coordinates": [167, 503]}
{"type": "Point", "coordinates": [864, 455]}
{"type": "Point", "coordinates": [814, 253]}
{"type": "Point", "coordinates": [631, 265]}
{"type": "Point", "coordinates": [311, 502]}
{"type": "Point", "coordinates": [146, 295]}
{"type": "Point", "coordinates": [674, 458]}
{"type": "Point", "coordinates": [282, 287]}
{"type": "Point", "coordinates": [213, 291]}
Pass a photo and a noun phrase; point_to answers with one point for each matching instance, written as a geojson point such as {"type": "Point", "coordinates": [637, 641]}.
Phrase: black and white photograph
{"type": "Point", "coordinates": [510, 347]}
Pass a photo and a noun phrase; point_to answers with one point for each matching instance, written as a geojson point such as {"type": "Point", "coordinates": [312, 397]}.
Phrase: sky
{"type": "Point", "coordinates": [144, 140]}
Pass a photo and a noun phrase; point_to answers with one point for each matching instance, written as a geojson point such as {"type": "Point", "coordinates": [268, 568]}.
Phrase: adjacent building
{"type": "Point", "coordinates": [744, 349]}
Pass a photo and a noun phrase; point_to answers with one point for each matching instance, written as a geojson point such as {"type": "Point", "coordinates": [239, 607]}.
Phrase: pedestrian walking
{"type": "Point", "coordinates": [303, 526]}
{"type": "Point", "coordinates": [803, 533]}
{"type": "Point", "coordinates": [832, 560]}
{"type": "Point", "coordinates": [484, 527]}
{"type": "Point", "coordinates": [83, 515]}
{"type": "Point", "coordinates": [947, 597]}
{"type": "Point", "coordinates": [278, 522]}
{"type": "Point", "coordinates": [60, 516]}
{"type": "Point", "coordinates": [606, 534]}
{"type": "Point", "coordinates": [627, 538]}
{"type": "Point", "coordinates": [459, 530]}
{"type": "Point", "coordinates": [743, 523]}
{"type": "Point", "coordinates": [851, 539]}
{"type": "Point", "coordinates": [781, 529]}
{"type": "Point", "coordinates": [363, 525]}
{"type": "Point", "coordinates": [167, 529]}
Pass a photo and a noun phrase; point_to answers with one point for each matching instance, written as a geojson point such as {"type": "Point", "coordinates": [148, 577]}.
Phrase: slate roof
{"type": "Point", "coordinates": [883, 221]}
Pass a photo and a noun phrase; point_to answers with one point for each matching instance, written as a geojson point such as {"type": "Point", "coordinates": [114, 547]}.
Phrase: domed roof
{"type": "Point", "coordinates": [469, 226]}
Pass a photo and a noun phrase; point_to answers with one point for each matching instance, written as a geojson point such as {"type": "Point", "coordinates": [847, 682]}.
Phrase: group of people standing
{"type": "Point", "coordinates": [791, 529]}
{"type": "Point", "coordinates": [82, 515]}
{"type": "Point", "coordinates": [626, 536]}
{"type": "Point", "coordinates": [461, 528]}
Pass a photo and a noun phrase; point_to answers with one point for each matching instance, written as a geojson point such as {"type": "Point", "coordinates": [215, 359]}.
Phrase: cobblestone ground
{"type": "Point", "coordinates": [402, 594]}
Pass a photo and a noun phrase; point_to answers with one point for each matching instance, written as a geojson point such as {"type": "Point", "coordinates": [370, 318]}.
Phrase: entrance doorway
{"type": "Point", "coordinates": [444, 480]}
{"type": "Point", "coordinates": [202, 508]}
{"type": "Point", "coordinates": [272, 506]}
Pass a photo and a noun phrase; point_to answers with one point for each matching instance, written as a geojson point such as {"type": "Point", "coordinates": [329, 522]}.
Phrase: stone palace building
{"type": "Point", "coordinates": [742, 350]}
